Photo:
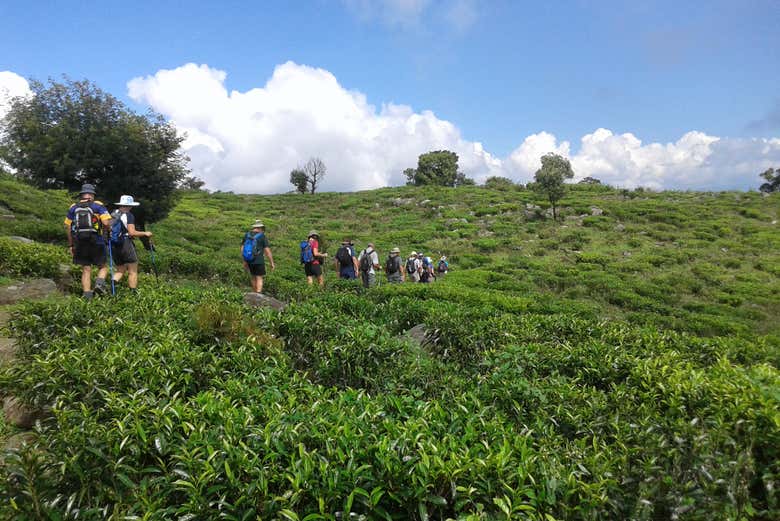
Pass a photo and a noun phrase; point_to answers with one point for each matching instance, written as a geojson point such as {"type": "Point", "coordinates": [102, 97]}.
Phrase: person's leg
{"type": "Point", "coordinates": [119, 271]}
{"type": "Point", "coordinates": [132, 275]}
{"type": "Point", "coordinates": [259, 284]}
{"type": "Point", "coordinates": [321, 279]}
{"type": "Point", "coordinates": [86, 278]}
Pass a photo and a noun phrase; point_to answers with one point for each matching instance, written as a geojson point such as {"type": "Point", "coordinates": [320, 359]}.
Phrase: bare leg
{"type": "Point", "coordinates": [86, 278]}
{"type": "Point", "coordinates": [120, 270]}
{"type": "Point", "coordinates": [102, 272]}
{"type": "Point", "coordinates": [310, 279]}
{"type": "Point", "coordinates": [132, 275]}
{"type": "Point", "coordinates": [259, 284]}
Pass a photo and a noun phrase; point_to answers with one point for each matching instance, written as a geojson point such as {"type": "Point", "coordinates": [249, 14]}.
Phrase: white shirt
{"type": "Point", "coordinates": [374, 259]}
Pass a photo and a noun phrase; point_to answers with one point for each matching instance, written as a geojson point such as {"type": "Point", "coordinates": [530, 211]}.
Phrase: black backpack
{"type": "Point", "coordinates": [410, 268]}
{"type": "Point", "coordinates": [393, 265]}
{"type": "Point", "coordinates": [344, 256]}
{"type": "Point", "coordinates": [365, 261]}
{"type": "Point", "coordinates": [85, 222]}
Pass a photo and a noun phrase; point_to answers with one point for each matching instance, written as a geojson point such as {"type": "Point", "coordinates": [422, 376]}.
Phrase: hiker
{"type": "Point", "coordinates": [443, 267]}
{"type": "Point", "coordinates": [345, 261]}
{"type": "Point", "coordinates": [413, 267]}
{"type": "Point", "coordinates": [254, 249]}
{"type": "Point", "coordinates": [368, 262]}
{"type": "Point", "coordinates": [311, 258]}
{"type": "Point", "coordinates": [85, 226]}
{"type": "Point", "coordinates": [426, 271]}
{"type": "Point", "coordinates": [394, 268]}
{"type": "Point", "coordinates": [122, 246]}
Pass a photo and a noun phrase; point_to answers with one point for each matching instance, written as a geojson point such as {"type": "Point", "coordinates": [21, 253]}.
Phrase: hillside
{"type": "Point", "coordinates": [620, 364]}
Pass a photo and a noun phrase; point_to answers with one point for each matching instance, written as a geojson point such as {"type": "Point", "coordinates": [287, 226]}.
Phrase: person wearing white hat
{"type": "Point", "coordinates": [122, 246]}
{"type": "Point", "coordinates": [413, 267]}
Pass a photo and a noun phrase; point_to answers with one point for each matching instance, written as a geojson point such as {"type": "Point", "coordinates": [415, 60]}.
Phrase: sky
{"type": "Point", "coordinates": [665, 95]}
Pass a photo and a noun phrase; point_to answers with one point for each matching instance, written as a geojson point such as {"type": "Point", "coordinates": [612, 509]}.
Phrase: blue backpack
{"type": "Point", "coordinates": [118, 232]}
{"type": "Point", "coordinates": [249, 251]}
{"type": "Point", "coordinates": [307, 255]}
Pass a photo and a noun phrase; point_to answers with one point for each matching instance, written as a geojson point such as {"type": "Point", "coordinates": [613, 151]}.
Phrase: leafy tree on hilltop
{"type": "Point", "coordinates": [589, 181]}
{"type": "Point", "coordinates": [549, 179]}
{"type": "Point", "coordinates": [500, 183]}
{"type": "Point", "coordinates": [299, 180]}
{"type": "Point", "coordinates": [772, 176]}
{"type": "Point", "coordinates": [439, 167]}
{"type": "Point", "coordinates": [72, 133]}
{"type": "Point", "coordinates": [308, 177]}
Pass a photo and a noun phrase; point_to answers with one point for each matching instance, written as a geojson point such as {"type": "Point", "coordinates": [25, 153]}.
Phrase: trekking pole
{"type": "Point", "coordinates": [154, 263]}
{"type": "Point", "coordinates": [111, 267]}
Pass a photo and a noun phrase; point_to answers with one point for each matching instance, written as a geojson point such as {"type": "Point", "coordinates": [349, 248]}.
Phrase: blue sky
{"type": "Point", "coordinates": [500, 72]}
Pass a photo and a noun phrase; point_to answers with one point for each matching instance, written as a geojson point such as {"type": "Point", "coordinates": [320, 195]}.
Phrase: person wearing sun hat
{"type": "Point", "coordinates": [254, 254]}
{"type": "Point", "coordinates": [86, 224]}
{"type": "Point", "coordinates": [413, 267]}
{"type": "Point", "coordinates": [313, 268]}
{"type": "Point", "coordinates": [394, 268]}
{"type": "Point", "coordinates": [124, 254]}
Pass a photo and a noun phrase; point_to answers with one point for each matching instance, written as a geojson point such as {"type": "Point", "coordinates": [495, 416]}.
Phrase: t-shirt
{"type": "Point", "coordinates": [126, 218]}
{"type": "Point", "coordinates": [393, 265]}
{"type": "Point", "coordinates": [374, 259]}
{"type": "Point", "coordinates": [98, 209]}
{"type": "Point", "coordinates": [315, 245]}
{"type": "Point", "coordinates": [262, 244]}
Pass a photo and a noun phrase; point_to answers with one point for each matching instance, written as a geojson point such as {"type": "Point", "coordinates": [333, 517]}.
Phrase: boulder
{"type": "Point", "coordinates": [263, 301]}
{"type": "Point", "coordinates": [596, 211]}
{"type": "Point", "coordinates": [17, 413]}
{"type": "Point", "coordinates": [21, 239]}
{"type": "Point", "coordinates": [424, 202]}
{"type": "Point", "coordinates": [418, 335]}
{"type": "Point", "coordinates": [7, 216]}
{"type": "Point", "coordinates": [400, 201]}
{"type": "Point", "coordinates": [27, 290]}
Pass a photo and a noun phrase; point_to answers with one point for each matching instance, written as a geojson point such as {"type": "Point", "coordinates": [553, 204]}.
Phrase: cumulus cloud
{"type": "Point", "coordinates": [11, 86]}
{"type": "Point", "coordinates": [249, 141]}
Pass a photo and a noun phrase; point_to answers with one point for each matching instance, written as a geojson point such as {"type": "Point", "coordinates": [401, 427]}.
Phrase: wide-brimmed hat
{"type": "Point", "coordinates": [314, 233]}
{"type": "Point", "coordinates": [413, 254]}
{"type": "Point", "coordinates": [127, 200]}
{"type": "Point", "coordinates": [258, 224]}
{"type": "Point", "coordinates": [395, 250]}
{"type": "Point", "coordinates": [346, 241]}
{"type": "Point", "coordinates": [87, 189]}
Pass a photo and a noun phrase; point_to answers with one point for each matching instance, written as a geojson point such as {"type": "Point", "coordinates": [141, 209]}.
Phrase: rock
{"type": "Point", "coordinates": [424, 202]}
{"type": "Point", "coordinates": [763, 194]}
{"type": "Point", "coordinates": [420, 336]}
{"type": "Point", "coordinates": [7, 350]}
{"type": "Point", "coordinates": [263, 301]}
{"type": "Point", "coordinates": [21, 239]}
{"type": "Point", "coordinates": [18, 414]}
{"type": "Point", "coordinates": [529, 206]}
{"type": "Point", "coordinates": [19, 440]}
{"type": "Point", "coordinates": [596, 211]}
{"type": "Point", "coordinates": [619, 227]}
{"type": "Point", "coordinates": [27, 290]}
{"type": "Point", "coordinates": [724, 250]}
{"type": "Point", "coordinates": [485, 233]}
{"type": "Point", "coordinates": [400, 201]}
{"type": "Point", "coordinates": [626, 254]}
{"type": "Point", "coordinates": [774, 221]}
{"type": "Point", "coordinates": [7, 216]}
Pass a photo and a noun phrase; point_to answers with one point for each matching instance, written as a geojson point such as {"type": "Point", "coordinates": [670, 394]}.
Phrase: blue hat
{"type": "Point", "coordinates": [87, 189]}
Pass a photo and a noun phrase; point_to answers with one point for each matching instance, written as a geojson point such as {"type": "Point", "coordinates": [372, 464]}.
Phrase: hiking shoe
{"type": "Point", "coordinates": [100, 289]}
{"type": "Point", "coordinates": [87, 295]}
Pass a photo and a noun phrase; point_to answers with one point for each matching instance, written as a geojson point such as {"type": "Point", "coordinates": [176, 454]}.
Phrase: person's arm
{"type": "Point", "coordinates": [70, 237]}
{"type": "Point", "coordinates": [136, 233]}
{"type": "Point", "coordinates": [355, 264]}
{"type": "Point", "coordinates": [267, 252]}
{"type": "Point", "coordinates": [375, 260]}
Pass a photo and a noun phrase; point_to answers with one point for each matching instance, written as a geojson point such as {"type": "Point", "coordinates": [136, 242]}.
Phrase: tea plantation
{"type": "Point", "coordinates": [619, 364]}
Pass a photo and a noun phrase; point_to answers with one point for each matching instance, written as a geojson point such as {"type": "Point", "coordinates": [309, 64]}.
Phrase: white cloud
{"type": "Point", "coordinates": [405, 13]}
{"type": "Point", "coordinates": [249, 141]}
{"type": "Point", "coordinates": [11, 85]}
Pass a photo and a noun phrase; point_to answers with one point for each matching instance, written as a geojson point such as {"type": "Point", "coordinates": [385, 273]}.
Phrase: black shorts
{"type": "Point", "coordinates": [87, 252]}
{"type": "Point", "coordinates": [124, 253]}
{"type": "Point", "coordinates": [257, 270]}
{"type": "Point", "coordinates": [312, 270]}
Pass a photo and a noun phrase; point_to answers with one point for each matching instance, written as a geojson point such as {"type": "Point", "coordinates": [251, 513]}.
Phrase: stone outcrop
{"type": "Point", "coordinates": [27, 290]}
{"type": "Point", "coordinates": [264, 301]}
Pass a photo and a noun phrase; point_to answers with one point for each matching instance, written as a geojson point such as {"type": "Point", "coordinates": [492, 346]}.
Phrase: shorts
{"type": "Point", "coordinates": [257, 270]}
{"type": "Point", "coordinates": [88, 252]}
{"type": "Point", "coordinates": [312, 270]}
{"type": "Point", "coordinates": [124, 253]}
{"type": "Point", "coordinates": [348, 273]}
{"type": "Point", "coordinates": [368, 278]}
{"type": "Point", "coordinates": [394, 278]}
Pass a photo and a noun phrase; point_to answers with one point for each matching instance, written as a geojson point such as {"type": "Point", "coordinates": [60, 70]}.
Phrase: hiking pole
{"type": "Point", "coordinates": [154, 263]}
{"type": "Point", "coordinates": [111, 267]}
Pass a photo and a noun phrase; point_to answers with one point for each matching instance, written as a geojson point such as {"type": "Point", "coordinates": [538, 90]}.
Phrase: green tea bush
{"type": "Point", "coordinates": [36, 259]}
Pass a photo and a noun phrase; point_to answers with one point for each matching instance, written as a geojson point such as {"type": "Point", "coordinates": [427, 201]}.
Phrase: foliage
{"type": "Point", "coordinates": [439, 167]}
{"type": "Point", "coordinates": [772, 177]}
{"type": "Point", "coordinates": [71, 133]}
{"type": "Point", "coordinates": [192, 183]}
{"type": "Point", "coordinates": [500, 183]}
{"type": "Point", "coordinates": [589, 181]}
{"type": "Point", "coordinates": [299, 180]}
{"type": "Point", "coordinates": [550, 178]}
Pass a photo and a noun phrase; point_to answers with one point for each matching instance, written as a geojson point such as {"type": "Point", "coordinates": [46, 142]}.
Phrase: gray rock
{"type": "Point", "coordinates": [424, 202]}
{"type": "Point", "coordinates": [596, 211]}
{"type": "Point", "coordinates": [626, 254]}
{"type": "Point", "coordinates": [21, 239]}
{"type": "Point", "coordinates": [400, 201]}
{"type": "Point", "coordinates": [420, 336]}
{"type": "Point", "coordinates": [619, 227]}
{"type": "Point", "coordinates": [263, 301]}
{"type": "Point", "coordinates": [18, 414]}
{"type": "Point", "coordinates": [27, 290]}
{"type": "Point", "coordinates": [7, 350]}
{"type": "Point", "coordinates": [8, 217]}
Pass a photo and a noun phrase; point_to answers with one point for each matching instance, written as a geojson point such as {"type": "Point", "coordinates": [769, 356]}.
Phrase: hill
{"type": "Point", "coordinates": [620, 364]}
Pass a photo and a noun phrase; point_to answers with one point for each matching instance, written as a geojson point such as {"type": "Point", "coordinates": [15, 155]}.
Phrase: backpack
{"type": "Point", "coordinates": [85, 222]}
{"type": "Point", "coordinates": [249, 250]}
{"type": "Point", "coordinates": [442, 266]}
{"type": "Point", "coordinates": [365, 261]}
{"type": "Point", "coordinates": [307, 255]}
{"type": "Point", "coordinates": [410, 267]}
{"type": "Point", "coordinates": [393, 265]}
{"type": "Point", "coordinates": [118, 231]}
{"type": "Point", "coordinates": [344, 256]}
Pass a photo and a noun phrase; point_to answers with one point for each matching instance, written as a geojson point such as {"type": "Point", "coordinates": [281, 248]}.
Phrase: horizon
{"type": "Point", "coordinates": [660, 96]}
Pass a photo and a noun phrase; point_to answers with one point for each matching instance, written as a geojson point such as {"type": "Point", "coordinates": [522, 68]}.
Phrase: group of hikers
{"type": "Point", "coordinates": [96, 236]}
{"type": "Point", "coordinates": [416, 268]}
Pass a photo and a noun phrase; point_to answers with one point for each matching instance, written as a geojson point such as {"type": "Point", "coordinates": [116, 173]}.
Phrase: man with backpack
{"type": "Point", "coordinates": [311, 258]}
{"type": "Point", "coordinates": [346, 262]}
{"type": "Point", "coordinates": [254, 248]}
{"type": "Point", "coordinates": [123, 252]}
{"type": "Point", "coordinates": [443, 267]}
{"type": "Point", "coordinates": [426, 273]}
{"type": "Point", "coordinates": [368, 262]}
{"type": "Point", "coordinates": [86, 224]}
{"type": "Point", "coordinates": [413, 267]}
{"type": "Point", "coordinates": [394, 267]}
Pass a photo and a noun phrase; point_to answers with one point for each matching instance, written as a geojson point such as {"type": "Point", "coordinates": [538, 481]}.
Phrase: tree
{"type": "Point", "coordinates": [549, 179]}
{"type": "Point", "coordinates": [192, 183]}
{"type": "Point", "coordinates": [500, 183]}
{"type": "Point", "coordinates": [439, 167]}
{"type": "Point", "coordinates": [589, 181]}
{"type": "Point", "coordinates": [772, 176]}
{"type": "Point", "coordinates": [299, 180]}
{"type": "Point", "coordinates": [315, 171]}
{"type": "Point", "coordinates": [71, 133]}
